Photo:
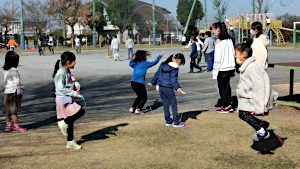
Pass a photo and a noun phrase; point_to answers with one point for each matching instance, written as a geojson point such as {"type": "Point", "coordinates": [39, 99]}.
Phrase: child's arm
{"type": "Point", "coordinates": [189, 45]}
{"type": "Point", "coordinates": [155, 78]}
{"type": "Point", "coordinates": [131, 63]}
{"type": "Point", "coordinates": [258, 89]}
{"type": "Point", "coordinates": [62, 88]}
{"type": "Point", "coordinates": [150, 64]}
{"type": "Point", "coordinates": [174, 77]}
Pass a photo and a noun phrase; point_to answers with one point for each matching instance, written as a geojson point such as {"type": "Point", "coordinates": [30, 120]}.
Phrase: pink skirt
{"type": "Point", "coordinates": [64, 112]}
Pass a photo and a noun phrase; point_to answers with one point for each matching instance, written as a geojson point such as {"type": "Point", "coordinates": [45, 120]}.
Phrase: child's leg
{"type": "Point", "coordinates": [70, 131]}
{"type": "Point", "coordinates": [8, 118]}
{"type": "Point", "coordinates": [135, 87]}
{"type": "Point", "coordinates": [71, 119]}
{"type": "Point", "coordinates": [250, 119]}
{"type": "Point", "coordinates": [143, 95]}
{"type": "Point", "coordinates": [128, 51]}
{"type": "Point", "coordinates": [165, 101]}
{"type": "Point", "coordinates": [79, 48]}
{"type": "Point", "coordinates": [173, 103]}
{"type": "Point", "coordinates": [15, 118]}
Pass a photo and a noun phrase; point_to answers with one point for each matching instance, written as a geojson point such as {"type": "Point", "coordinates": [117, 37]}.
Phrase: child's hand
{"type": "Point", "coordinates": [162, 54]}
{"type": "Point", "coordinates": [150, 84]}
{"type": "Point", "coordinates": [78, 95]}
{"type": "Point", "coordinates": [78, 88]}
{"type": "Point", "coordinates": [179, 90]}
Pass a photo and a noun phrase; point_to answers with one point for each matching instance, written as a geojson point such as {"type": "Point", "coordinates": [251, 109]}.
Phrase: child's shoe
{"type": "Point", "coordinates": [179, 124]}
{"type": "Point", "coordinates": [257, 136]}
{"type": "Point", "coordinates": [9, 128]}
{"type": "Point", "coordinates": [139, 111]}
{"type": "Point", "coordinates": [131, 110]}
{"type": "Point", "coordinates": [73, 144]}
{"type": "Point", "coordinates": [63, 127]}
{"type": "Point", "coordinates": [19, 129]}
{"type": "Point", "coordinates": [222, 110]}
{"type": "Point", "coordinates": [77, 53]}
{"type": "Point", "coordinates": [169, 124]}
{"type": "Point", "coordinates": [264, 124]}
{"type": "Point", "coordinates": [229, 109]}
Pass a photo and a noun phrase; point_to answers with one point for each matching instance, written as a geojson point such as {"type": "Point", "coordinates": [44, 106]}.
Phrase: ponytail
{"type": "Point", "coordinates": [175, 56]}
{"type": "Point", "coordinates": [66, 56]}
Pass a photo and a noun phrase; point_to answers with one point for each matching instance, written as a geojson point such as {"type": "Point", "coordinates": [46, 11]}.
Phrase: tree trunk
{"type": "Point", "coordinates": [72, 27]}
{"type": "Point", "coordinates": [64, 32]}
{"type": "Point", "coordinates": [5, 33]}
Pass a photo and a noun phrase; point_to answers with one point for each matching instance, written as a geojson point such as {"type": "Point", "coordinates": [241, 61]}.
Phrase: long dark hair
{"type": "Point", "coordinates": [11, 60]}
{"type": "Point", "coordinates": [258, 27]}
{"type": "Point", "coordinates": [223, 30]}
{"type": "Point", "coordinates": [175, 56]}
{"type": "Point", "coordinates": [245, 47]}
{"type": "Point", "coordinates": [141, 55]}
{"type": "Point", "coordinates": [66, 56]}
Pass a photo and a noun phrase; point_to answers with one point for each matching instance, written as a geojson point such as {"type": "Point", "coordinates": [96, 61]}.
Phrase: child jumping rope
{"type": "Point", "coordinates": [13, 92]}
{"type": "Point", "coordinates": [67, 87]}
{"type": "Point", "coordinates": [166, 78]}
{"type": "Point", "coordinates": [254, 93]}
{"type": "Point", "coordinates": [140, 65]}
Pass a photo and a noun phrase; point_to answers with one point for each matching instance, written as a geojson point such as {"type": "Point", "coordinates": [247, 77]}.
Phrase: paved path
{"type": "Point", "coordinates": [106, 85]}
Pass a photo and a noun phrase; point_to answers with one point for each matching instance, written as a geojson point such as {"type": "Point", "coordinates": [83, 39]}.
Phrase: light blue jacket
{"type": "Point", "coordinates": [63, 83]}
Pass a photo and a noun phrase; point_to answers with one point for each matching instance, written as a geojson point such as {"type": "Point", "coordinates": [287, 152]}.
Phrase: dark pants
{"type": "Point", "coordinates": [168, 98]}
{"type": "Point", "coordinates": [70, 121]}
{"type": "Point", "coordinates": [193, 64]}
{"type": "Point", "coordinates": [199, 57]}
{"type": "Point", "coordinates": [224, 87]}
{"type": "Point", "coordinates": [208, 58]}
{"type": "Point", "coordinates": [250, 119]}
{"type": "Point", "coordinates": [41, 51]}
{"type": "Point", "coordinates": [51, 48]}
{"type": "Point", "coordinates": [141, 92]}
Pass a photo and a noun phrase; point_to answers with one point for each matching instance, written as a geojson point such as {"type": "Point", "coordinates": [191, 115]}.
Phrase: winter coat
{"type": "Point", "coordinates": [260, 52]}
{"type": "Point", "coordinates": [129, 43]}
{"type": "Point", "coordinates": [254, 91]}
{"type": "Point", "coordinates": [167, 76]}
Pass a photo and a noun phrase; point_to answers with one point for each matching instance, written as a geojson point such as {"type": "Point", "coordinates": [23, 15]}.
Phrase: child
{"type": "Point", "coordinates": [183, 41]}
{"type": "Point", "coordinates": [77, 45]}
{"type": "Point", "coordinates": [13, 92]}
{"type": "Point", "coordinates": [129, 46]}
{"type": "Point", "coordinates": [166, 78]}
{"type": "Point", "coordinates": [50, 44]}
{"type": "Point", "coordinates": [115, 48]}
{"type": "Point", "coordinates": [140, 65]}
{"type": "Point", "coordinates": [254, 93]}
{"type": "Point", "coordinates": [194, 55]}
{"type": "Point", "coordinates": [40, 45]}
{"type": "Point", "coordinates": [209, 45]}
{"type": "Point", "coordinates": [67, 110]}
{"type": "Point", "coordinates": [12, 44]}
{"type": "Point", "coordinates": [199, 44]}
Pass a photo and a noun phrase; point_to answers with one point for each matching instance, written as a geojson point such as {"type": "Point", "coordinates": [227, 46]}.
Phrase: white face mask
{"type": "Point", "coordinates": [252, 32]}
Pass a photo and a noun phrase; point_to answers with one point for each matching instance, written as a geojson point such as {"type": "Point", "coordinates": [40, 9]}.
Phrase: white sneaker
{"type": "Point", "coordinates": [63, 127]}
{"type": "Point", "coordinates": [131, 110]}
{"type": "Point", "coordinates": [169, 124]}
{"type": "Point", "coordinates": [138, 111]}
{"type": "Point", "coordinates": [73, 144]}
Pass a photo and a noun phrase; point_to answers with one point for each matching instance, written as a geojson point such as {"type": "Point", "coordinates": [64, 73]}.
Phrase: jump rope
{"type": "Point", "coordinates": [173, 112]}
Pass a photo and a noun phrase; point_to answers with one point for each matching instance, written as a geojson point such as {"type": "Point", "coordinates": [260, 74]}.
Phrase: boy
{"type": "Point", "coordinates": [193, 55]}
{"type": "Point", "coordinates": [129, 46]}
{"type": "Point", "coordinates": [208, 48]}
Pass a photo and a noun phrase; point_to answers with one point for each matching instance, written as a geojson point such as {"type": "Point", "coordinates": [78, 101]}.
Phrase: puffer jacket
{"type": "Point", "coordinates": [167, 75]}
{"type": "Point", "coordinates": [254, 91]}
{"type": "Point", "coordinates": [260, 51]}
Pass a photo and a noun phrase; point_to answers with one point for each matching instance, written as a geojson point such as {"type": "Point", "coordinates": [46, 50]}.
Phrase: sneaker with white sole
{"type": "Point", "coordinates": [139, 111]}
{"type": "Point", "coordinates": [19, 129]}
{"type": "Point", "coordinates": [63, 127]}
{"type": "Point", "coordinates": [73, 144]}
{"type": "Point", "coordinates": [169, 124]}
{"type": "Point", "coordinates": [222, 110]}
{"type": "Point", "coordinates": [179, 124]}
{"type": "Point", "coordinates": [9, 128]}
{"type": "Point", "coordinates": [131, 110]}
{"type": "Point", "coordinates": [257, 136]}
{"type": "Point", "coordinates": [229, 109]}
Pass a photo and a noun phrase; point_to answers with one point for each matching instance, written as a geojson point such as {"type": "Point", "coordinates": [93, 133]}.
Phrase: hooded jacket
{"type": "Point", "coordinates": [167, 75]}
{"type": "Point", "coordinates": [260, 52]}
{"type": "Point", "coordinates": [254, 91]}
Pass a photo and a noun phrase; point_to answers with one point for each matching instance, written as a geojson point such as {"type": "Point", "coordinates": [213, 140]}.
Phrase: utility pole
{"type": "Point", "coordinates": [205, 17]}
{"type": "Point", "coordinates": [94, 27]}
{"type": "Point", "coordinates": [154, 32]}
{"type": "Point", "coordinates": [253, 9]}
{"type": "Point", "coordinates": [22, 26]}
{"type": "Point", "coordinates": [188, 21]}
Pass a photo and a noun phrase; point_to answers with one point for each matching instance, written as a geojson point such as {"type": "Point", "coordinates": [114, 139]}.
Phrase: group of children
{"type": "Point", "coordinates": [253, 92]}
{"type": "Point", "coordinates": [41, 45]}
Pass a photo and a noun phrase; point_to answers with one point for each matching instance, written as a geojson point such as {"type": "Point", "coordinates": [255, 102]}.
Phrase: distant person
{"type": "Point", "coordinates": [108, 43]}
{"type": "Point", "coordinates": [244, 39]}
{"type": "Point", "coordinates": [268, 20]}
{"type": "Point", "coordinates": [115, 48]}
{"type": "Point", "coordinates": [77, 45]}
{"type": "Point", "coordinates": [50, 44]}
{"type": "Point", "coordinates": [12, 44]}
{"type": "Point", "coordinates": [248, 19]}
{"type": "Point", "coordinates": [129, 46]}
{"type": "Point", "coordinates": [42, 43]}
{"type": "Point", "coordinates": [226, 21]}
{"type": "Point", "coordinates": [202, 39]}
{"type": "Point", "coordinates": [209, 45]}
{"type": "Point", "coordinates": [194, 55]}
{"type": "Point", "coordinates": [200, 45]}
{"type": "Point", "coordinates": [83, 42]}
{"type": "Point", "coordinates": [40, 46]}
{"type": "Point", "coordinates": [231, 30]}
{"type": "Point", "coordinates": [13, 92]}
{"type": "Point", "coordinates": [183, 42]}
{"type": "Point", "coordinates": [260, 44]}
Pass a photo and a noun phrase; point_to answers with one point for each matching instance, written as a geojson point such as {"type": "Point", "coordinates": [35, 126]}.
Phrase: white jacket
{"type": "Point", "coordinates": [11, 80]}
{"type": "Point", "coordinates": [223, 57]}
{"type": "Point", "coordinates": [260, 52]}
{"type": "Point", "coordinates": [115, 44]}
{"type": "Point", "coordinates": [254, 91]}
{"type": "Point", "coordinates": [198, 43]}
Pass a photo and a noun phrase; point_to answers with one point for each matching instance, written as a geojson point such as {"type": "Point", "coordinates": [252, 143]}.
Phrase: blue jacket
{"type": "Point", "coordinates": [194, 53]}
{"type": "Point", "coordinates": [167, 76]}
{"type": "Point", "coordinates": [141, 68]}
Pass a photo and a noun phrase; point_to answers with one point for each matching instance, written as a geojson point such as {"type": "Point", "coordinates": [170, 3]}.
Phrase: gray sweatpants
{"type": "Point", "coordinates": [116, 54]}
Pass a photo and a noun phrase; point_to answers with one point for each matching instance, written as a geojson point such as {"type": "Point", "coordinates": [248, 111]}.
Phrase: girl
{"type": "Point", "coordinates": [67, 110]}
{"type": "Point", "coordinates": [224, 65]}
{"type": "Point", "coordinates": [41, 46]}
{"type": "Point", "coordinates": [166, 78]}
{"type": "Point", "coordinates": [260, 44]}
{"type": "Point", "coordinates": [13, 92]}
{"type": "Point", "coordinates": [140, 65]}
{"type": "Point", "coordinates": [254, 93]}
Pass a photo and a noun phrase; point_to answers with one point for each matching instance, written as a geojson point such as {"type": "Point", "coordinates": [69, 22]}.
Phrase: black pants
{"type": "Point", "coordinates": [251, 120]}
{"type": "Point", "coordinates": [41, 51]}
{"type": "Point", "coordinates": [224, 87]}
{"type": "Point", "coordinates": [51, 48]}
{"type": "Point", "coordinates": [141, 92]}
{"type": "Point", "coordinates": [70, 121]}
{"type": "Point", "coordinates": [193, 63]}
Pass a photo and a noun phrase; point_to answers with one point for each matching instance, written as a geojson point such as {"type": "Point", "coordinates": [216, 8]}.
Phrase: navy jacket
{"type": "Point", "coordinates": [194, 53]}
{"type": "Point", "coordinates": [167, 76]}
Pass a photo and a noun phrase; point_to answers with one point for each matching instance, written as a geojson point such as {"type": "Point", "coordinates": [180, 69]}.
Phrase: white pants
{"type": "Point", "coordinates": [115, 54]}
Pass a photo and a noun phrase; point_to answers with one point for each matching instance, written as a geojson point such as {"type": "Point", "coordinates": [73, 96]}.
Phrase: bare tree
{"type": "Point", "coordinates": [9, 16]}
{"type": "Point", "coordinates": [223, 7]}
{"type": "Point", "coordinates": [262, 6]}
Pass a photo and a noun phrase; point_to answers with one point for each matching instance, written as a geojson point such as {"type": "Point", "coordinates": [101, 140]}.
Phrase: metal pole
{"type": "Point", "coordinates": [277, 38]}
{"type": "Point", "coordinates": [253, 10]}
{"type": "Point", "coordinates": [271, 37]}
{"type": "Point", "coordinates": [205, 18]}
{"type": "Point", "coordinates": [188, 21]}
{"type": "Point", "coordinates": [22, 27]}
{"type": "Point", "coordinates": [94, 27]}
{"type": "Point", "coordinates": [154, 32]}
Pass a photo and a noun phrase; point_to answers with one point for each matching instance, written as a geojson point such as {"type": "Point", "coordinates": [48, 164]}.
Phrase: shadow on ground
{"type": "Point", "coordinates": [101, 134]}
{"type": "Point", "coordinates": [266, 146]}
{"type": "Point", "coordinates": [157, 104]}
{"type": "Point", "coordinates": [191, 114]}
